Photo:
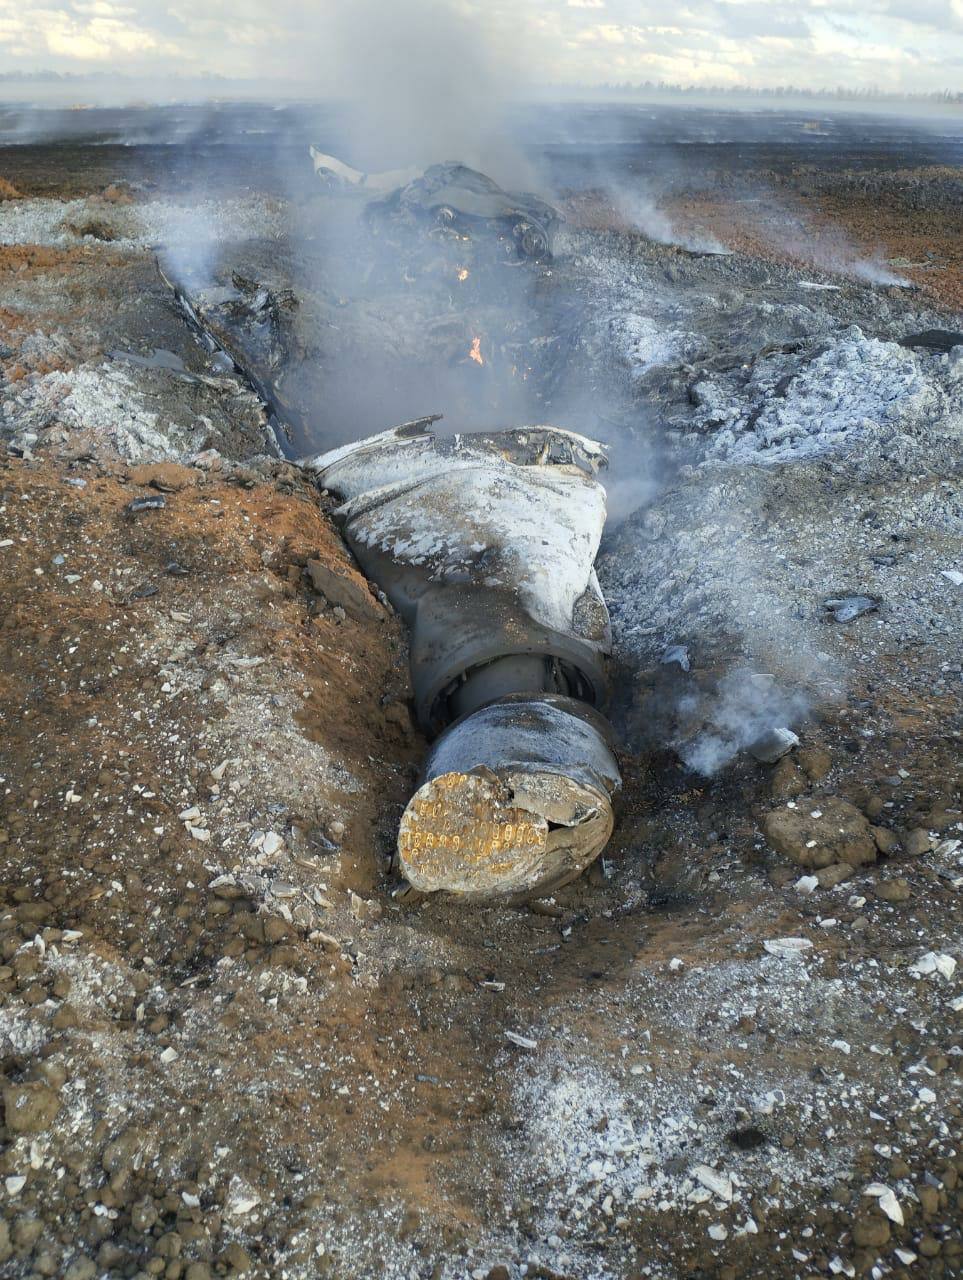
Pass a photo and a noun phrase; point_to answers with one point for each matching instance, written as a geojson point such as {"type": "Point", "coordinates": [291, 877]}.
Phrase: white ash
{"type": "Point", "coordinates": [208, 223]}
{"type": "Point", "coordinates": [856, 390]}
{"type": "Point", "coordinates": [646, 1132]}
{"type": "Point", "coordinates": [111, 403]}
{"type": "Point", "coordinates": [645, 344]}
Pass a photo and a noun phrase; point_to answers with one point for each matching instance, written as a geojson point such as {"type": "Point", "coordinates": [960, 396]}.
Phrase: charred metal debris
{"type": "Point", "coordinates": [485, 544]}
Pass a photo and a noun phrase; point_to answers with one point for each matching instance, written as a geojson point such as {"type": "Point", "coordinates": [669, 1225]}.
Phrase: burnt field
{"type": "Point", "coordinates": [232, 1041]}
{"type": "Point", "coordinates": [227, 145]}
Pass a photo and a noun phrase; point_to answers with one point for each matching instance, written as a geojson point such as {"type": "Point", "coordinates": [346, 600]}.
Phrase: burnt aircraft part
{"type": "Point", "coordinates": [335, 175]}
{"type": "Point", "coordinates": [282, 420]}
{"type": "Point", "coordinates": [485, 544]}
{"type": "Point", "coordinates": [516, 800]}
{"type": "Point", "coordinates": [454, 197]}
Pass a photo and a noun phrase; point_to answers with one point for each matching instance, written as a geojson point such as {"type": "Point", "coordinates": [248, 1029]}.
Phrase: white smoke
{"type": "Point", "coordinates": [422, 82]}
{"type": "Point", "coordinates": [744, 710]}
{"type": "Point", "coordinates": [640, 212]}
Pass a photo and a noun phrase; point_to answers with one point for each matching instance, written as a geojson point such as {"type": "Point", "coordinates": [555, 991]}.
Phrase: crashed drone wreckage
{"type": "Point", "coordinates": [448, 198]}
{"type": "Point", "coordinates": [485, 545]}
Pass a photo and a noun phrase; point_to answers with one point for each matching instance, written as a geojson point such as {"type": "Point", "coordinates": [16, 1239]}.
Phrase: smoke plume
{"type": "Point", "coordinates": [423, 82]}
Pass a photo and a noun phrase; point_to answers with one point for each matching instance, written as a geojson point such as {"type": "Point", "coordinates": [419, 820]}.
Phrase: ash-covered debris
{"type": "Point", "coordinates": [444, 283]}
{"type": "Point", "coordinates": [453, 202]}
{"type": "Point", "coordinates": [335, 175]}
{"type": "Point", "coordinates": [848, 608]}
{"type": "Point", "coordinates": [852, 393]}
{"type": "Point", "coordinates": [772, 744]}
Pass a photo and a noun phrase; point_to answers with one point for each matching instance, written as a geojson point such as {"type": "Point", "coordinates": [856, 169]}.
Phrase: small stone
{"type": "Point", "coordinates": [236, 1258]}
{"type": "Point", "coordinates": [523, 1042]}
{"type": "Point", "coordinates": [917, 842]}
{"type": "Point", "coordinates": [275, 929]}
{"type": "Point", "coordinates": [64, 1018]}
{"type": "Point", "coordinates": [847, 608]}
{"type": "Point", "coordinates": [787, 779]}
{"type": "Point", "coordinates": [27, 1230]}
{"type": "Point", "coordinates": [787, 947]}
{"type": "Point", "coordinates": [718, 1232]}
{"type": "Point", "coordinates": [870, 1232]}
{"type": "Point", "coordinates": [815, 762]}
{"type": "Point", "coordinates": [897, 890]}
{"type": "Point", "coordinates": [29, 1108]}
{"type": "Point", "coordinates": [198, 1271]}
{"type": "Point", "coordinates": [886, 1199]}
{"type": "Point", "coordinates": [833, 875]}
{"type": "Point", "coordinates": [169, 1245]}
{"type": "Point", "coordinates": [143, 1215]}
{"type": "Point", "coordinates": [929, 1199]}
{"type": "Point", "coordinates": [934, 962]}
{"type": "Point", "coordinates": [168, 477]}
{"type": "Point", "coordinates": [271, 843]}
{"type": "Point", "coordinates": [821, 835]}
{"type": "Point", "coordinates": [887, 842]}
{"type": "Point", "coordinates": [346, 591]}
{"type": "Point", "coordinates": [720, 1184]}
{"type": "Point", "coordinates": [82, 1268]}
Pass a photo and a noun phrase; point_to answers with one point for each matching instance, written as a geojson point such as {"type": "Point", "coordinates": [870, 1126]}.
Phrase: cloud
{"type": "Point", "coordinates": [903, 44]}
{"type": "Point", "coordinates": [80, 34]}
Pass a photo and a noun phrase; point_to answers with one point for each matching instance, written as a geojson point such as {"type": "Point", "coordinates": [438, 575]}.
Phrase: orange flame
{"type": "Point", "coordinates": [475, 352]}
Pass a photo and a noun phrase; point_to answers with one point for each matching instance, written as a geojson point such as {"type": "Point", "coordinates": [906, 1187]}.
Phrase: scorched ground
{"type": "Point", "coordinates": [732, 1050]}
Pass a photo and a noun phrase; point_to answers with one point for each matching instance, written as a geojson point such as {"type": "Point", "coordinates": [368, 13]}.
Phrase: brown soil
{"type": "Point", "coordinates": [41, 257]}
{"type": "Point", "coordinates": [346, 1066]}
{"type": "Point", "coordinates": [929, 250]}
{"type": "Point", "coordinates": [793, 224]}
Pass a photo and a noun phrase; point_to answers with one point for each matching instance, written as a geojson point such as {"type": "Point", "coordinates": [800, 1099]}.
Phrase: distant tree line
{"type": "Point", "coordinates": [625, 89]}
{"type": "Point", "coordinates": [871, 93]}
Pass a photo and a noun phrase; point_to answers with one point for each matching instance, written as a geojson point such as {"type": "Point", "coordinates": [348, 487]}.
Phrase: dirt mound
{"type": "Point", "coordinates": [95, 228]}
{"type": "Point", "coordinates": [118, 193]}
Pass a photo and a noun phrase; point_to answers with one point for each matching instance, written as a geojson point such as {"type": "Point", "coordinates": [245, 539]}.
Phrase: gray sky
{"type": "Point", "coordinates": [904, 45]}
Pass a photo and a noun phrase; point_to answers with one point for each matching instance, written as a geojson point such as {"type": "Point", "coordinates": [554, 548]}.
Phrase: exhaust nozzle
{"type": "Point", "coordinates": [485, 544]}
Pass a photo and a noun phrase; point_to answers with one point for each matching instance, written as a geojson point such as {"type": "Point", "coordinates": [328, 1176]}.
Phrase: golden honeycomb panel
{"type": "Point", "coordinates": [461, 830]}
